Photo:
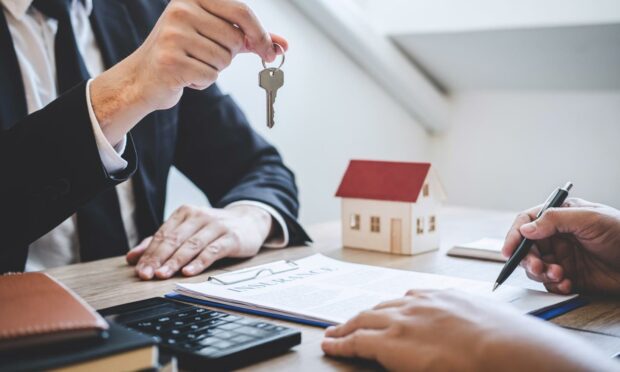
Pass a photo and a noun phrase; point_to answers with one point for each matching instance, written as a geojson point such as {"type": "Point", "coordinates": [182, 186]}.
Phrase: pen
{"type": "Point", "coordinates": [553, 201]}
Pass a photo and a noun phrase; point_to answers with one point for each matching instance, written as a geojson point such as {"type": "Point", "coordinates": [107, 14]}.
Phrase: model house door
{"type": "Point", "coordinates": [396, 236]}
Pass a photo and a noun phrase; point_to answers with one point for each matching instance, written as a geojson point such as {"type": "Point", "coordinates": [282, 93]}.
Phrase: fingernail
{"type": "Point", "coordinates": [528, 228]}
{"type": "Point", "coordinates": [164, 270]}
{"type": "Point", "coordinates": [189, 269]}
{"type": "Point", "coordinates": [147, 272]}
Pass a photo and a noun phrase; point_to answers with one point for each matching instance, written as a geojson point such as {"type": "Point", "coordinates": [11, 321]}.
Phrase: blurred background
{"type": "Point", "coordinates": [507, 98]}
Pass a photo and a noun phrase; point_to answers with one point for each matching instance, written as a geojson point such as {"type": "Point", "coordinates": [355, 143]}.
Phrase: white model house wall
{"type": "Point", "coordinates": [363, 237]}
{"type": "Point", "coordinates": [426, 210]}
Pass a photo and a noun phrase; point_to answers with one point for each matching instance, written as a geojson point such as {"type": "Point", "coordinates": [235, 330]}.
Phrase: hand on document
{"type": "Point", "coordinates": [450, 330]}
{"type": "Point", "coordinates": [193, 238]}
{"type": "Point", "coordinates": [576, 248]}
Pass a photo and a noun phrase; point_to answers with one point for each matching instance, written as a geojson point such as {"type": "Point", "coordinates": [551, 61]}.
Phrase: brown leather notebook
{"type": "Point", "coordinates": [37, 309]}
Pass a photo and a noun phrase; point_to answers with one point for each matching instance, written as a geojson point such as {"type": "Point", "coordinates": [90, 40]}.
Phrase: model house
{"type": "Point", "coordinates": [390, 206]}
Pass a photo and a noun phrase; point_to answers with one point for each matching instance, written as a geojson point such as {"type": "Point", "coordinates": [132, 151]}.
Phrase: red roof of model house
{"type": "Point", "coordinates": [383, 180]}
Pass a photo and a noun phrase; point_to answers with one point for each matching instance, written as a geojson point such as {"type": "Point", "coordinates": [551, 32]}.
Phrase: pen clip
{"type": "Point", "coordinates": [547, 203]}
{"type": "Point", "coordinates": [287, 266]}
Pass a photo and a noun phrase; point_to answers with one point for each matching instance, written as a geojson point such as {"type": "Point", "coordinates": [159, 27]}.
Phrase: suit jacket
{"type": "Point", "coordinates": [50, 165]}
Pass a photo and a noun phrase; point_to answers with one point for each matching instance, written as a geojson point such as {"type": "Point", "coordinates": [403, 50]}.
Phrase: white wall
{"type": "Point", "coordinates": [328, 112]}
{"type": "Point", "coordinates": [509, 150]}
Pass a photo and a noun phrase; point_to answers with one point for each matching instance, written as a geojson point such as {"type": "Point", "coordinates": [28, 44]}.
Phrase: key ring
{"type": "Point", "coordinates": [283, 57]}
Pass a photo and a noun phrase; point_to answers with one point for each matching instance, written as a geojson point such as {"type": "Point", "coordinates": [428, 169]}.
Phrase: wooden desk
{"type": "Point", "coordinates": [111, 282]}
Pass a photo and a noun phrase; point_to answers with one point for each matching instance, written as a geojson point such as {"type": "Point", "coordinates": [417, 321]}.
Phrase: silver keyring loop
{"type": "Point", "coordinates": [283, 57]}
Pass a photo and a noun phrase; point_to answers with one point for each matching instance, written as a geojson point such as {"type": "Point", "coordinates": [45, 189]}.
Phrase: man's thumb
{"type": "Point", "coordinates": [554, 221]}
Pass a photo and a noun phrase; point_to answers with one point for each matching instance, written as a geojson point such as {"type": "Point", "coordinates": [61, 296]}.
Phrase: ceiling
{"type": "Point", "coordinates": [585, 57]}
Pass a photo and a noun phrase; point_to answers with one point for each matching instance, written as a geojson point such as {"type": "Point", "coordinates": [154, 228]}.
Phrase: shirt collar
{"type": "Point", "coordinates": [18, 8]}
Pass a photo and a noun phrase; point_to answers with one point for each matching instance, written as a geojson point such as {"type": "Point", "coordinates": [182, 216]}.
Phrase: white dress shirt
{"type": "Point", "coordinates": [33, 37]}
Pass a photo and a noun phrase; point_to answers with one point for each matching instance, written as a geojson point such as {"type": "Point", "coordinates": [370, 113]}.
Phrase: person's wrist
{"type": "Point", "coordinates": [119, 100]}
{"type": "Point", "coordinates": [258, 217]}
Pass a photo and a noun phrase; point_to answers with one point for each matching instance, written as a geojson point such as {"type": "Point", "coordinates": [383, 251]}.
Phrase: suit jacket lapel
{"type": "Point", "coordinates": [117, 37]}
{"type": "Point", "coordinates": [12, 97]}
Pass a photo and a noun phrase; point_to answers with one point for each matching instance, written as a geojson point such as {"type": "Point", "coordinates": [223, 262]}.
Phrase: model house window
{"type": "Point", "coordinates": [375, 224]}
{"type": "Point", "coordinates": [431, 224]}
{"type": "Point", "coordinates": [420, 225]}
{"type": "Point", "coordinates": [354, 222]}
{"type": "Point", "coordinates": [425, 190]}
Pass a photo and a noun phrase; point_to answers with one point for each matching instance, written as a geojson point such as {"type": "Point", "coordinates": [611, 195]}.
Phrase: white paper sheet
{"type": "Point", "coordinates": [333, 291]}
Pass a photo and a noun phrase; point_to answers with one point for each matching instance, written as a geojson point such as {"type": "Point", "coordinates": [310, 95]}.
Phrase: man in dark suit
{"type": "Point", "coordinates": [85, 161]}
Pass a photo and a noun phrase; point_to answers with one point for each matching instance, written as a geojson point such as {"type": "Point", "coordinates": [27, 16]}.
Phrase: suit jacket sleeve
{"type": "Point", "coordinates": [220, 152]}
{"type": "Point", "coordinates": [50, 166]}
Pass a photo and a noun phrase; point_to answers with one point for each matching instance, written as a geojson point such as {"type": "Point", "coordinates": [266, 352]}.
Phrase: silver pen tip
{"type": "Point", "coordinates": [568, 186]}
{"type": "Point", "coordinates": [495, 286]}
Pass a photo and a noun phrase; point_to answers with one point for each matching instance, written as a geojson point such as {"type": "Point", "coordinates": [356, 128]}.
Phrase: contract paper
{"type": "Point", "coordinates": [326, 290]}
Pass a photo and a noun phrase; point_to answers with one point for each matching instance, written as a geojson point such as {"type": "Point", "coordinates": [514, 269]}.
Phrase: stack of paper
{"type": "Point", "coordinates": [326, 291]}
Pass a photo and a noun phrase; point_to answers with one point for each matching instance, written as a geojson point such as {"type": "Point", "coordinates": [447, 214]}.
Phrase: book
{"type": "Point", "coordinates": [120, 349]}
{"type": "Point", "coordinates": [323, 291]}
{"type": "Point", "coordinates": [37, 310]}
{"type": "Point", "coordinates": [484, 249]}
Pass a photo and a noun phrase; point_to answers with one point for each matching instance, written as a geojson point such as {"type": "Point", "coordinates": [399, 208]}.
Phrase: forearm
{"type": "Point", "coordinates": [118, 101]}
{"type": "Point", "coordinates": [540, 347]}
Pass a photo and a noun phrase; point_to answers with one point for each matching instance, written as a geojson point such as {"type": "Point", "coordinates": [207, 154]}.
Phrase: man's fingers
{"type": "Point", "coordinates": [189, 249]}
{"type": "Point", "coordinates": [165, 242]}
{"type": "Point", "coordinates": [369, 319]}
{"type": "Point", "coordinates": [391, 303]}
{"type": "Point", "coordinates": [277, 39]}
{"type": "Point", "coordinates": [540, 271]}
{"type": "Point", "coordinates": [256, 38]}
{"type": "Point", "coordinates": [513, 238]}
{"type": "Point", "coordinates": [216, 250]}
{"type": "Point", "coordinates": [556, 220]}
{"type": "Point", "coordinates": [143, 268]}
{"type": "Point", "coordinates": [208, 52]}
{"type": "Point", "coordinates": [363, 343]}
{"type": "Point", "coordinates": [563, 287]}
{"type": "Point", "coordinates": [136, 252]}
{"type": "Point", "coordinates": [219, 30]}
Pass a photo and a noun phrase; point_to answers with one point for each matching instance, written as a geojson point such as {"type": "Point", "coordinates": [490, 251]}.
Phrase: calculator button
{"type": "Point", "coordinates": [223, 334]}
{"type": "Point", "coordinates": [246, 321]}
{"type": "Point", "coordinates": [164, 319]}
{"type": "Point", "coordinates": [216, 322]}
{"type": "Point", "coordinates": [241, 339]}
{"type": "Point", "coordinates": [209, 341]}
{"type": "Point", "coordinates": [229, 326]}
{"type": "Point", "coordinates": [255, 332]}
{"type": "Point", "coordinates": [208, 351]}
{"type": "Point", "coordinates": [223, 344]}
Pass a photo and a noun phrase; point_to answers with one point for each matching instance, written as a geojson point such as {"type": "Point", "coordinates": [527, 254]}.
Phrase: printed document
{"type": "Point", "coordinates": [322, 289]}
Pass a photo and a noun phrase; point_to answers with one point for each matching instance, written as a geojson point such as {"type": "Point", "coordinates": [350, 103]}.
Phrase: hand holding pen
{"type": "Point", "coordinates": [553, 201]}
{"type": "Point", "coordinates": [576, 247]}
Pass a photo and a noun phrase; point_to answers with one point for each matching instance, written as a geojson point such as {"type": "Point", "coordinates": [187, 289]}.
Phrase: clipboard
{"type": "Point", "coordinates": [307, 290]}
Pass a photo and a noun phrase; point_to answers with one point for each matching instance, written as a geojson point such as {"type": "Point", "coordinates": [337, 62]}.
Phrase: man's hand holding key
{"type": "Point", "coordinates": [191, 43]}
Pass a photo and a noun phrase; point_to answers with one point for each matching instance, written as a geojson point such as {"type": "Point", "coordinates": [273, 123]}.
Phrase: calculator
{"type": "Point", "coordinates": [202, 338]}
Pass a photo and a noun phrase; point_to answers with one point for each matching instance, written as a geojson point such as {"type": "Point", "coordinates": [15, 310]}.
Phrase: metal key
{"type": "Point", "coordinates": [271, 79]}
